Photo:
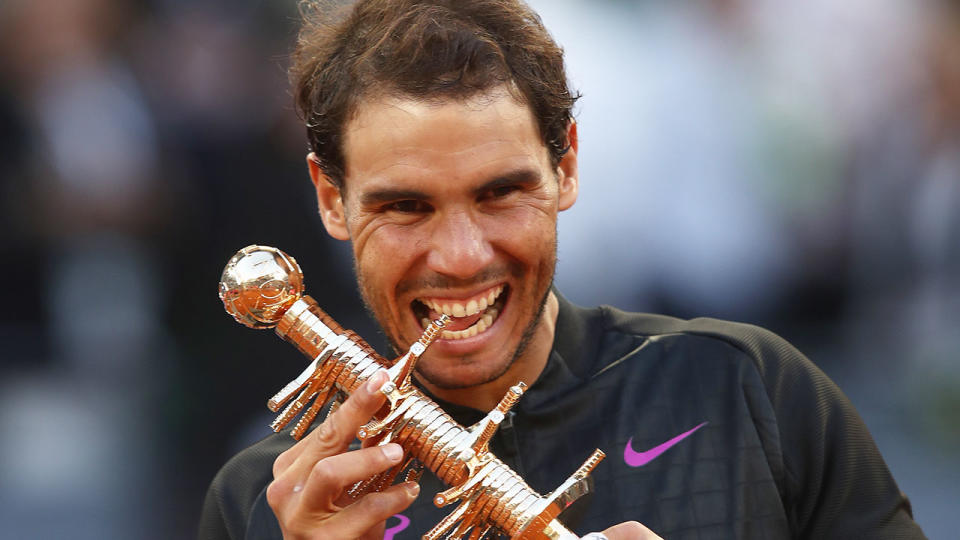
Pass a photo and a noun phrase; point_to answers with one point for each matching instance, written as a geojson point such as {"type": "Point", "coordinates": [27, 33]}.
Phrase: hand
{"type": "Point", "coordinates": [629, 530]}
{"type": "Point", "coordinates": [310, 480]}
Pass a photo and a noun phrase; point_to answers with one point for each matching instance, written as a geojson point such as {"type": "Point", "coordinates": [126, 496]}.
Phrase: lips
{"type": "Point", "coordinates": [469, 316]}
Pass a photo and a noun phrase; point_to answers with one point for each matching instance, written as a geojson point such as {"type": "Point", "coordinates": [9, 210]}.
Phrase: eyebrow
{"type": "Point", "coordinates": [380, 196]}
{"type": "Point", "coordinates": [523, 176]}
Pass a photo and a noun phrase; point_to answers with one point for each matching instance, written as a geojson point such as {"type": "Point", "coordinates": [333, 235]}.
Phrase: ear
{"type": "Point", "coordinates": [329, 200]}
{"type": "Point", "coordinates": [567, 173]}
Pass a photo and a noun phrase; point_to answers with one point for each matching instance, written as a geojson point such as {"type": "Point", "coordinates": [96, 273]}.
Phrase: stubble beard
{"type": "Point", "coordinates": [521, 347]}
{"type": "Point", "coordinates": [525, 338]}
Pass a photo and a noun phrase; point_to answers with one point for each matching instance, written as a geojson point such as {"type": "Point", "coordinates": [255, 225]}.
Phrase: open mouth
{"type": "Point", "coordinates": [469, 317]}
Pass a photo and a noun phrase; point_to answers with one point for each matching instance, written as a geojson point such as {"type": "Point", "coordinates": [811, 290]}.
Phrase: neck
{"type": "Point", "coordinates": [526, 368]}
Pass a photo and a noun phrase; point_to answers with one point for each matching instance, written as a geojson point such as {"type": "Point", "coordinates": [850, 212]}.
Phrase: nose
{"type": "Point", "coordinates": [459, 246]}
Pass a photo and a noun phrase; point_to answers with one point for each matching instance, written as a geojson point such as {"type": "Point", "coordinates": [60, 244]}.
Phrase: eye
{"type": "Point", "coordinates": [407, 206]}
{"type": "Point", "coordinates": [499, 192]}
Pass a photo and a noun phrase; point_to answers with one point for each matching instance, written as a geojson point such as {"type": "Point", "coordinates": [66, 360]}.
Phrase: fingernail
{"type": "Point", "coordinates": [393, 451]}
{"type": "Point", "coordinates": [376, 381]}
{"type": "Point", "coordinates": [413, 489]}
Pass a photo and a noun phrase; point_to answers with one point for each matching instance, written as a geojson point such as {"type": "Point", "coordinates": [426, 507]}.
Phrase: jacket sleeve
{"type": "Point", "coordinates": [213, 519]}
{"type": "Point", "coordinates": [228, 509]}
{"type": "Point", "coordinates": [836, 482]}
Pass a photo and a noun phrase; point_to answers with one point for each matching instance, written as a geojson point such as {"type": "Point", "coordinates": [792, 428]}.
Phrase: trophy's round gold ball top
{"type": "Point", "coordinates": [259, 284]}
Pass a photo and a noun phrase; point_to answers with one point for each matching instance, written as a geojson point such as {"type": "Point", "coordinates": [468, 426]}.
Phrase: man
{"type": "Point", "coordinates": [443, 149]}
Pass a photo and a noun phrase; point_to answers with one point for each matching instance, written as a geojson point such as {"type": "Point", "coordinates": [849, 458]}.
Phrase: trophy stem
{"type": "Point", "coordinates": [492, 498]}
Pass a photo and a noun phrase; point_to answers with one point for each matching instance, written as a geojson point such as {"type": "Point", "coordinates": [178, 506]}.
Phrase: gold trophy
{"type": "Point", "coordinates": [262, 287]}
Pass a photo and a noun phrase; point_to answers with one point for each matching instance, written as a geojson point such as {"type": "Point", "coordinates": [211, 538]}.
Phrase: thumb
{"type": "Point", "coordinates": [629, 530]}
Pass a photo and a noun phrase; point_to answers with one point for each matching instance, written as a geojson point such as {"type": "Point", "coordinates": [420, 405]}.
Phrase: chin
{"type": "Point", "coordinates": [459, 373]}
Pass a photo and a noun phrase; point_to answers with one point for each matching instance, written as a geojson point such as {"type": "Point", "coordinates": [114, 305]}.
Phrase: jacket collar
{"type": "Point", "coordinates": [569, 363]}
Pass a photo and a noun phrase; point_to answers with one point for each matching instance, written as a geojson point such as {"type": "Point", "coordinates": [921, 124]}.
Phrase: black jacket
{"type": "Point", "coordinates": [780, 451]}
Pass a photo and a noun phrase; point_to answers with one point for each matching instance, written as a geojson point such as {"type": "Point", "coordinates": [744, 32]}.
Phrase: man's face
{"type": "Point", "coordinates": [451, 208]}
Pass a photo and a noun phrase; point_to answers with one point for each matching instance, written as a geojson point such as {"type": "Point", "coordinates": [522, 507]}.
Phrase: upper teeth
{"type": "Point", "coordinates": [464, 309]}
{"type": "Point", "coordinates": [484, 322]}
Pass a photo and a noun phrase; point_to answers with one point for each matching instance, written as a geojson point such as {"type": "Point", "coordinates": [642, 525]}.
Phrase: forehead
{"type": "Point", "coordinates": [392, 138]}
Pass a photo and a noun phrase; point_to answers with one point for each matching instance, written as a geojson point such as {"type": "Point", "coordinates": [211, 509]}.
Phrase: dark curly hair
{"type": "Point", "coordinates": [424, 49]}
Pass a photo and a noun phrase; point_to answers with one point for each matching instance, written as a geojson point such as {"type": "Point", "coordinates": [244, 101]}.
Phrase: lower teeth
{"type": "Point", "coordinates": [478, 327]}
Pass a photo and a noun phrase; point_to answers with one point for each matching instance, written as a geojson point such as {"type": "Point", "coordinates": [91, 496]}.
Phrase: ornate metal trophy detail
{"type": "Point", "coordinates": [262, 287]}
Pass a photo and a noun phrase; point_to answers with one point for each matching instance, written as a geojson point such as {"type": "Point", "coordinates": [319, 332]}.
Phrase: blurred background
{"type": "Point", "coordinates": [790, 164]}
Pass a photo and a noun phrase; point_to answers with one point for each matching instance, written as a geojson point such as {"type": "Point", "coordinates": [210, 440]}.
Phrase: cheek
{"type": "Point", "coordinates": [528, 236]}
{"type": "Point", "coordinates": [374, 267]}
{"type": "Point", "coordinates": [372, 244]}
{"type": "Point", "coordinates": [383, 257]}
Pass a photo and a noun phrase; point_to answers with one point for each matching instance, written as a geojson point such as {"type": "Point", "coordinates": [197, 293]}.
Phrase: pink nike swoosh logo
{"type": "Point", "coordinates": [404, 522]}
{"type": "Point", "coordinates": [639, 459]}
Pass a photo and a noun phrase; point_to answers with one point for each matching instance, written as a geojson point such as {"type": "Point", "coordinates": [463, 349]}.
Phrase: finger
{"type": "Point", "coordinates": [336, 433]}
{"type": "Point", "coordinates": [331, 476]}
{"type": "Point", "coordinates": [372, 510]}
{"type": "Point", "coordinates": [362, 404]}
{"type": "Point", "coordinates": [630, 530]}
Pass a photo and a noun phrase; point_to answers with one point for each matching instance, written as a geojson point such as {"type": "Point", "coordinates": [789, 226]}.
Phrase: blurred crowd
{"type": "Point", "coordinates": [790, 164]}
